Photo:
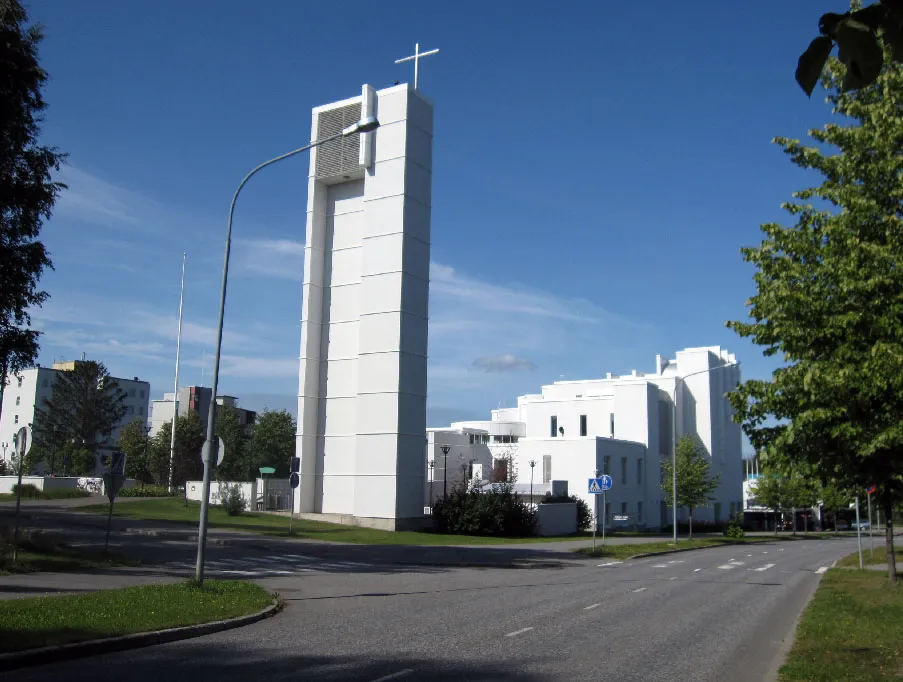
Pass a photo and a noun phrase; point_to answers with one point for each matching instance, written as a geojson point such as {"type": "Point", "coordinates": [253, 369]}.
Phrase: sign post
{"type": "Point", "coordinates": [22, 444]}
{"type": "Point", "coordinates": [112, 482]}
{"type": "Point", "coordinates": [868, 494]}
{"type": "Point", "coordinates": [598, 486]}
{"type": "Point", "coordinates": [294, 480]}
{"type": "Point", "coordinates": [858, 532]}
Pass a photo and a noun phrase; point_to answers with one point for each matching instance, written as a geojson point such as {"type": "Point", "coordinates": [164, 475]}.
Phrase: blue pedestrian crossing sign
{"type": "Point", "coordinates": [597, 486]}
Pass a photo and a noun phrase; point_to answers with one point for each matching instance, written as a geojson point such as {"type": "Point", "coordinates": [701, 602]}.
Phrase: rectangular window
{"type": "Point", "coordinates": [141, 409]}
{"type": "Point", "coordinates": [141, 394]}
{"type": "Point", "coordinates": [131, 393]}
{"type": "Point", "coordinates": [554, 425]}
{"type": "Point", "coordinates": [582, 424]}
{"type": "Point", "coordinates": [513, 439]}
{"type": "Point", "coordinates": [639, 512]}
{"type": "Point", "coordinates": [606, 465]}
{"type": "Point", "coordinates": [44, 383]}
{"type": "Point", "coordinates": [547, 468]}
{"type": "Point", "coordinates": [623, 471]}
{"type": "Point", "coordinates": [639, 471]}
{"type": "Point", "coordinates": [20, 382]}
{"type": "Point", "coordinates": [611, 419]}
{"type": "Point", "coordinates": [17, 400]}
{"type": "Point", "coordinates": [16, 419]}
{"type": "Point", "coordinates": [623, 509]}
{"type": "Point", "coordinates": [471, 439]}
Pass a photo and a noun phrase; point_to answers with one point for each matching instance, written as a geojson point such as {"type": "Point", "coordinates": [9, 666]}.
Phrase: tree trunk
{"type": "Point", "coordinates": [889, 540]}
{"type": "Point", "coordinates": [776, 522]}
{"type": "Point", "coordinates": [690, 536]}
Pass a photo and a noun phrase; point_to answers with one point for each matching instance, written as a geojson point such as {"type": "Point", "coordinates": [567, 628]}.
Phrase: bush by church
{"type": "Point", "coordinates": [497, 512]}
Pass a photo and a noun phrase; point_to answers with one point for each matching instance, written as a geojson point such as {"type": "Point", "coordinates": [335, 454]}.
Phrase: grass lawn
{"type": "Point", "coordinates": [880, 556]}
{"type": "Point", "coordinates": [851, 630]}
{"type": "Point", "coordinates": [61, 560]}
{"type": "Point", "coordinates": [169, 509]}
{"type": "Point", "coordinates": [42, 621]}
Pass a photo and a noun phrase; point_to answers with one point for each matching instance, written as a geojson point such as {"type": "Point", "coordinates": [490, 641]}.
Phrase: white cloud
{"type": "Point", "coordinates": [90, 199]}
{"type": "Point", "coordinates": [243, 366]}
{"type": "Point", "coordinates": [503, 363]}
{"type": "Point", "coordinates": [283, 258]}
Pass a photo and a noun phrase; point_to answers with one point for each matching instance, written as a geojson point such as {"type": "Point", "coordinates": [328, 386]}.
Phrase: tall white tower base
{"type": "Point", "coordinates": [362, 393]}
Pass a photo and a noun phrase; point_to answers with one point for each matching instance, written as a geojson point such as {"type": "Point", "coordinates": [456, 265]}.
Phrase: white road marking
{"type": "Point", "coordinates": [639, 589]}
{"type": "Point", "coordinates": [822, 569]}
{"type": "Point", "coordinates": [676, 561]}
{"type": "Point", "coordinates": [395, 676]}
{"type": "Point", "coordinates": [763, 568]}
{"type": "Point", "coordinates": [610, 563]}
{"type": "Point", "coordinates": [780, 550]}
{"type": "Point", "coordinates": [765, 551]}
{"type": "Point", "coordinates": [749, 555]}
{"type": "Point", "coordinates": [660, 566]}
{"type": "Point", "coordinates": [674, 578]}
{"type": "Point", "coordinates": [726, 567]}
{"type": "Point", "coordinates": [590, 607]}
{"type": "Point", "coordinates": [736, 563]}
{"type": "Point", "coordinates": [696, 570]}
{"type": "Point", "coordinates": [510, 634]}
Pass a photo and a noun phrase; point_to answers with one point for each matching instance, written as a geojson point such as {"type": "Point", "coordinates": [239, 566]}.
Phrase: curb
{"type": "Point", "coordinates": [645, 555]}
{"type": "Point", "coordinates": [66, 652]}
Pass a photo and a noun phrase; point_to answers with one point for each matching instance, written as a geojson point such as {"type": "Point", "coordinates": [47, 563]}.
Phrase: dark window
{"type": "Point", "coordinates": [612, 420]}
{"type": "Point", "coordinates": [547, 468]}
{"type": "Point", "coordinates": [554, 427]}
{"type": "Point", "coordinates": [582, 424]}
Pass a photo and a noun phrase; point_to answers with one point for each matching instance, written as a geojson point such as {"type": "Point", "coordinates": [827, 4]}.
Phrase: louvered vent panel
{"type": "Point", "coordinates": [341, 156]}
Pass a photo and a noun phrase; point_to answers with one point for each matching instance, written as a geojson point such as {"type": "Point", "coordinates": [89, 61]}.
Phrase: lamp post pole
{"type": "Point", "coordinates": [674, 441]}
{"type": "Point", "coordinates": [147, 430]}
{"type": "Point", "coordinates": [432, 476]}
{"type": "Point", "coordinates": [209, 453]}
{"type": "Point", "coordinates": [445, 449]}
{"type": "Point", "coordinates": [532, 464]}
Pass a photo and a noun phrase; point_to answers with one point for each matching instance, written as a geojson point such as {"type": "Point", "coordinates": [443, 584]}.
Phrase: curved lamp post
{"type": "Point", "coordinates": [209, 453]}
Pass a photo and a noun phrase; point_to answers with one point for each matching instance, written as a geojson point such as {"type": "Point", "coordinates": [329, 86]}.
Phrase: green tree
{"type": "Point", "coordinates": [832, 498]}
{"type": "Point", "coordinates": [771, 492]}
{"type": "Point", "coordinates": [27, 193]}
{"type": "Point", "coordinates": [236, 464]}
{"type": "Point", "coordinates": [134, 442]}
{"type": "Point", "coordinates": [187, 465]}
{"type": "Point", "coordinates": [272, 442]}
{"type": "Point", "coordinates": [695, 484]}
{"type": "Point", "coordinates": [85, 407]}
{"type": "Point", "coordinates": [829, 302]}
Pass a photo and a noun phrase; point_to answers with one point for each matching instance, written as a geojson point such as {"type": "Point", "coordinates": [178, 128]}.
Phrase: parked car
{"type": "Point", "coordinates": [863, 525]}
{"type": "Point", "coordinates": [841, 525]}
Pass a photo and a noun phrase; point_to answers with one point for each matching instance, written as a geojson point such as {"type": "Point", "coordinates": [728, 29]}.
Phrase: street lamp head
{"type": "Point", "coordinates": [365, 125]}
{"type": "Point", "coordinates": [445, 449]}
{"type": "Point", "coordinates": [532, 463]}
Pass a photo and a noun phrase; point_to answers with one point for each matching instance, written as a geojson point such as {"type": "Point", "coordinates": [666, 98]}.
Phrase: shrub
{"type": "Point", "coordinates": [63, 493]}
{"type": "Point", "coordinates": [734, 527]}
{"type": "Point", "coordinates": [145, 491]}
{"type": "Point", "coordinates": [29, 491]}
{"type": "Point", "coordinates": [231, 499]}
{"type": "Point", "coordinates": [584, 514]}
{"type": "Point", "coordinates": [470, 512]}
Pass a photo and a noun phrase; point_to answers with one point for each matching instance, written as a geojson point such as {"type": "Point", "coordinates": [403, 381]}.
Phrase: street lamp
{"type": "Point", "coordinates": [209, 453]}
{"type": "Point", "coordinates": [532, 464]}
{"type": "Point", "coordinates": [147, 430]}
{"type": "Point", "coordinates": [445, 449]}
{"type": "Point", "coordinates": [674, 441]}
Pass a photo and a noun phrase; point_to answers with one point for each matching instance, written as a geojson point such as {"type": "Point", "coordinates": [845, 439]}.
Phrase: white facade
{"type": "Point", "coordinates": [623, 426]}
{"type": "Point", "coordinates": [362, 383]}
{"type": "Point", "coordinates": [28, 390]}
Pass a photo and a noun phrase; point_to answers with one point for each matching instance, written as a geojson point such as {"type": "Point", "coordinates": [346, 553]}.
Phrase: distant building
{"type": "Point", "coordinates": [194, 399]}
{"type": "Point", "coordinates": [619, 425]}
{"type": "Point", "coordinates": [27, 391]}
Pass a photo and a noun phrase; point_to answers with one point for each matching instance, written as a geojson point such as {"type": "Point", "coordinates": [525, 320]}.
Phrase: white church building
{"type": "Point", "coordinates": [620, 425]}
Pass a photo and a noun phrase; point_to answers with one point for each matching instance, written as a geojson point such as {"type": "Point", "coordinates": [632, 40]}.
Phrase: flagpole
{"type": "Point", "coordinates": [175, 401]}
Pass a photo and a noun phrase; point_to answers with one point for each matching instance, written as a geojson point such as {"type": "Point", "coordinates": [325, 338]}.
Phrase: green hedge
{"type": "Point", "coordinates": [469, 512]}
{"type": "Point", "coordinates": [145, 491]}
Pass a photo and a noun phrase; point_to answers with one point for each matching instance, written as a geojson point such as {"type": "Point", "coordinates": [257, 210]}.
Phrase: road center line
{"type": "Point", "coordinates": [696, 570]}
{"type": "Point", "coordinates": [763, 568]}
{"type": "Point", "coordinates": [510, 634]}
{"type": "Point", "coordinates": [394, 676]}
{"type": "Point", "coordinates": [660, 566]}
{"type": "Point", "coordinates": [610, 563]}
{"type": "Point", "coordinates": [591, 606]}
{"type": "Point", "coordinates": [639, 589]}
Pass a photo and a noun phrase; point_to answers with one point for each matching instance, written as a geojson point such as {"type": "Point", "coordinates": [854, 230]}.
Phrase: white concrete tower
{"type": "Point", "coordinates": [362, 392]}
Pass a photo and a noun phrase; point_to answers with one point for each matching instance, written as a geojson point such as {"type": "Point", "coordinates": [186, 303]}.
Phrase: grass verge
{"type": "Point", "coordinates": [869, 559]}
{"type": "Point", "coordinates": [61, 560]}
{"type": "Point", "coordinates": [851, 630]}
{"type": "Point", "coordinates": [269, 524]}
{"type": "Point", "coordinates": [53, 494]}
{"type": "Point", "coordinates": [42, 621]}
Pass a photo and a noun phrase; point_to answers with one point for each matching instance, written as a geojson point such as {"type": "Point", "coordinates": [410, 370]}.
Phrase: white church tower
{"type": "Point", "coordinates": [362, 384]}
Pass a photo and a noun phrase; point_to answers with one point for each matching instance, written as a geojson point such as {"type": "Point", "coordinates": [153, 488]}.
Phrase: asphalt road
{"type": "Point", "coordinates": [716, 614]}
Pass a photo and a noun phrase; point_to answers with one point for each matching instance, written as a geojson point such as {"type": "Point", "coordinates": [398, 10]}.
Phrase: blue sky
{"type": "Point", "coordinates": [597, 168]}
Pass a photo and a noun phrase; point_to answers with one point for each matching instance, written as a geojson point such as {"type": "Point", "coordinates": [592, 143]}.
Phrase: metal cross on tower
{"type": "Point", "coordinates": [416, 57]}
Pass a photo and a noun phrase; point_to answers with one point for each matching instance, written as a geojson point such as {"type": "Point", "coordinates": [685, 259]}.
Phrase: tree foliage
{"type": "Point", "coordinates": [85, 407]}
{"type": "Point", "coordinates": [236, 465]}
{"type": "Point", "coordinates": [272, 442]}
{"type": "Point", "coordinates": [27, 193]}
{"type": "Point", "coordinates": [134, 443]}
{"type": "Point", "coordinates": [695, 483]}
{"type": "Point", "coordinates": [829, 301]}
{"type": "Point", "coordinates": [187, 465]}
